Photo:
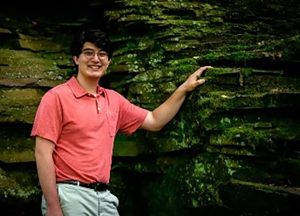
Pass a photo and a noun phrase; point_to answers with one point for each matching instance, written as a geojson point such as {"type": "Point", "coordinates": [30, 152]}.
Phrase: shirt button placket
{"type": "Point", "coordinates": [97, 105]}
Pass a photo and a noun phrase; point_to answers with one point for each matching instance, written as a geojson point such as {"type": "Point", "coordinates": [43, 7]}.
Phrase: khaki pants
{"type": "Point", "coordinates": [79, 201]}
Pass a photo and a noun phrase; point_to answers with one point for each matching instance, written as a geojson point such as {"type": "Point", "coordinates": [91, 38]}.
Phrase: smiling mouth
{"type": "Point", "coordinates": [93, 67]}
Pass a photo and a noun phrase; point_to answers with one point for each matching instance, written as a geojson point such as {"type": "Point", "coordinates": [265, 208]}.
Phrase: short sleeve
{"type": "Point", "coordinates": [131, 116]}
{"type": "Point", "coordinates": [48, 119]}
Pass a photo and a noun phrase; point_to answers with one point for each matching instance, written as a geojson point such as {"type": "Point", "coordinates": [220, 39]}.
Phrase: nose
{"type": "Point", "coordinates": [95, 57]}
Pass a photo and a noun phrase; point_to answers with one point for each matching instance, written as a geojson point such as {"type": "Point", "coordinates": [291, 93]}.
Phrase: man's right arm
{"type": "Point", "coordinates": [46, 173]}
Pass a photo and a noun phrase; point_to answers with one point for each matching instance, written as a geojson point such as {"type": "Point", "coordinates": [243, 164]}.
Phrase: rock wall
{"type": "Point", "coordinates": [233, 149]}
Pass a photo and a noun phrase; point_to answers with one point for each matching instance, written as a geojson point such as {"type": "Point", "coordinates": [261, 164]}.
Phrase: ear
{"type": "Point", "coordinates": [75, 59]}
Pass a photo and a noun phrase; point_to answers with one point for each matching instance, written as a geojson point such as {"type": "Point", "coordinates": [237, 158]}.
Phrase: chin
{"type": "Point", "coordinates": [95, 74]}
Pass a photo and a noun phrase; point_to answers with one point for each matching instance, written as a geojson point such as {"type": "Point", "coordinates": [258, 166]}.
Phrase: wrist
{"type": "Point", "coordinates": [182, 89]}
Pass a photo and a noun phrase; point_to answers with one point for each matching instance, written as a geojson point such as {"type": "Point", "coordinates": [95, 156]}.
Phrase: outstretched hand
{"type": "Point", "coordinates": [159, 117]}
{"type": "Point", "coordinates": [194, 80]}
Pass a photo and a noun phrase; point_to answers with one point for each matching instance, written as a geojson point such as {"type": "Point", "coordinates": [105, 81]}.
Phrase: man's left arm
{"type": "Point", "coordinates": [159, 117]}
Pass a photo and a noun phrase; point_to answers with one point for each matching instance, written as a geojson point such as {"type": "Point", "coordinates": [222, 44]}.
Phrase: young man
{"type": "Point", "coordinates": [75, 126]}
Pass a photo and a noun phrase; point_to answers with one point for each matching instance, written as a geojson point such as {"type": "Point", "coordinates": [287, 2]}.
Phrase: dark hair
{"type": "Point", "coordinates": [94, 35]}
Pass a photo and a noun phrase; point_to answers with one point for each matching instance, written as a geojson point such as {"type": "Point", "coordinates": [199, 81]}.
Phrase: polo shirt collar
{"type": "Point", "coordinates": [78, 91]}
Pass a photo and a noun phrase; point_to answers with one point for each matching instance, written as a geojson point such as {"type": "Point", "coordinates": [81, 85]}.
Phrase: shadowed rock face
{"type": "Point", "coordinates": [232, 149]}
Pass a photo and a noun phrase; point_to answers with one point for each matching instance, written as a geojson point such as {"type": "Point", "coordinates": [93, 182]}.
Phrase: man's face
{"type": "Point", "coordinates": [92, 62]}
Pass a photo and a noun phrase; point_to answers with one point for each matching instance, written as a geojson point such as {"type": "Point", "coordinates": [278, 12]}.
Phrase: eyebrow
{"type": "Point", "coordinates": [90, 49]}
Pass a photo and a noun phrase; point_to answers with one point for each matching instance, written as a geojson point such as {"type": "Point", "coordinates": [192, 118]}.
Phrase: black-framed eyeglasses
{"type": "Point", "coordinates": [90, 53]}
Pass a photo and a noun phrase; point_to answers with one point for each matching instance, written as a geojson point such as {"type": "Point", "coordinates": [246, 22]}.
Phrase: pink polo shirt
{"type": "Point", "coordinates": [83, 129]}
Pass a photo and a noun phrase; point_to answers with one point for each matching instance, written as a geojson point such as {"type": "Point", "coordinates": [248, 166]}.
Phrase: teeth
{"type": "Point", "coordinates": [95, 67]}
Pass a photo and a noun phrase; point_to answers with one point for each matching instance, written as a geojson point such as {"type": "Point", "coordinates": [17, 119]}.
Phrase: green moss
{"type": "Point", "coordinates": [243, 135]}
{"type": "Point", "coordinates": [19, 105]}
{"type": "Point", "coordinates": [14, 188]}
{"type": "Point", "coordinates": [25, 64]}
{"type": "Point", "coordinates": [132, 60]}
{"type": "Point", "coordinates": [217, 101]}
{"type": "Point", "coordinates": [201, 177]}
{"type": "Point", "coordinates": [291, 48]}
{"type": "Point", "coordinates": [216, 71]}
{"type": "Point", "coordinates": [154, 76]}
{"type": "Point", "coordinates": [20, 97]}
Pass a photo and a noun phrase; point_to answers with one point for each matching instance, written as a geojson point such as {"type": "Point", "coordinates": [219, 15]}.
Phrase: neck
{"type": "Point", "coordinates": [90, 85]}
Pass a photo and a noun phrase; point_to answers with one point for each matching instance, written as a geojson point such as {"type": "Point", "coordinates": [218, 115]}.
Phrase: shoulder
{"type": "Point", "coordinates": [113, 94]}
{"type": "Point", "coordinates": [56, 92]}
{"type": "Point", "coordinates": [115, 99]}
{"type": "Point", "coordinates": [59, 89]}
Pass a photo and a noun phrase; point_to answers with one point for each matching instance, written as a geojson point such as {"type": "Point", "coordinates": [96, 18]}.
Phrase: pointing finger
{"type": "Point", "coordinates": [202, 69]}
